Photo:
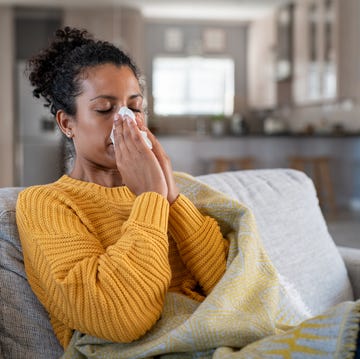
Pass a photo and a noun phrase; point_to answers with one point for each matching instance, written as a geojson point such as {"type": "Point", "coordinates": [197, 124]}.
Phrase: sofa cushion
{"type": "Point", "coordinates": [25, 330]}
{"type": "Point", "coordinates": [293, 231]}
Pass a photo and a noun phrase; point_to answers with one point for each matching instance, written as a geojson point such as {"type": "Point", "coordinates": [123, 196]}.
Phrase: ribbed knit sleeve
{"type": "Point", "coordinates": [114, 292]}
{"type": "Point", "coordinates": [200, 242]}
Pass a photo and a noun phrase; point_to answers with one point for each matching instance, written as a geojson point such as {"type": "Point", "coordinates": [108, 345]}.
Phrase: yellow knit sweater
{"type": "Point", "coordinates": [101, 260]}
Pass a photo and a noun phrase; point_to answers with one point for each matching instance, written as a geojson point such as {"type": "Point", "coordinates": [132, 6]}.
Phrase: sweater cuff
{"type": "Point", "coordinates": [184, 217]}
{"type": "Point", "coordinates": [151, 208]}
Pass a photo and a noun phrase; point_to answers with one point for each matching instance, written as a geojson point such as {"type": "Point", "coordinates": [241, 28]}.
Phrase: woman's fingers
{"type": "Point", "coordinates": [157, 148]}
{"type": "Point", "coordinates": [119, 142]}
{"type": "Point", "coordinates": [165, 163]}
{"type": "Point", "coordinates": [126, 135]}
{"type": "Point", "coordinates": [137, 164]}
{"type": "Point", "coordinates": [139, 119]}
{"type": "Point", "coordinates": [133, 130]}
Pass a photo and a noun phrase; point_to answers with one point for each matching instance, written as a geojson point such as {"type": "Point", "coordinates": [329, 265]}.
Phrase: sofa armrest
{"type": "Point", "coordinates": [351, 258]}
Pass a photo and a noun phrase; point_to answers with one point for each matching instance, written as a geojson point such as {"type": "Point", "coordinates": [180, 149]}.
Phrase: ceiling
{"type": "Point", "coordinates": [231, 10]}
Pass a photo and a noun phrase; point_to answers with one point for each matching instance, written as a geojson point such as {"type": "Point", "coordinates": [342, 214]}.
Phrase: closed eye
{"type": "Point", "coordinates": [105, 111]}
{"type": "Point", "coordinates": [135, 110]}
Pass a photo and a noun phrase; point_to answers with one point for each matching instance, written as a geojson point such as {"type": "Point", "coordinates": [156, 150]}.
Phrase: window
{"type": "Point", "coordinates": [193, 86]}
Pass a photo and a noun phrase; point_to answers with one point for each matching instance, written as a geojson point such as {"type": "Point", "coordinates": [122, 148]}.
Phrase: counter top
{"type": "Point", "coordinates": [261, 135]}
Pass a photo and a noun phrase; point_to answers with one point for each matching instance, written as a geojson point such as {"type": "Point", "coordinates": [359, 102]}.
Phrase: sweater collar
{"type": "Point", "coordinates": [122, 191]}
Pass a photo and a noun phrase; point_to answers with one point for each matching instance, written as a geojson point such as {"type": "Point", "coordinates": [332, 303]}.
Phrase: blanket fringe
{"type": "Point", "coordinates": [349, 340]}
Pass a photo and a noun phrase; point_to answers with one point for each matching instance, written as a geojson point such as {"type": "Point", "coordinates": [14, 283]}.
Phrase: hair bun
{"type": "Point", "coordinates": [44, 67]}
{"type": "Point", "coordinates": [69, 34]}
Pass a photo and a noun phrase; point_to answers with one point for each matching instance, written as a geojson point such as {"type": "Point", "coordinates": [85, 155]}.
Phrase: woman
{"type": "Point", "coordinates": [103, 245]}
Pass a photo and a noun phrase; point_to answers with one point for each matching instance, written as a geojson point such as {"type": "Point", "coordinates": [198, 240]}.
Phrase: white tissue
{"type": "Point", "coordinates": [145, 137]}
{"type": "Point", "coordinates": [112, 136]}
{"type": "Point", "coordinates": [125, 111]}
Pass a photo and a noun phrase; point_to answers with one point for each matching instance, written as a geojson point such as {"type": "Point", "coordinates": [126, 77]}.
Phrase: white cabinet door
{"type": "Point", "coordinates": [326, 51]}
{"type": "Point", "coordinates": [261, 77]}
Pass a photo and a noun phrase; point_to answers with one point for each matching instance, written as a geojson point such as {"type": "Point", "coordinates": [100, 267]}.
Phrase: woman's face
{"type": "Point", "coordinates": [105, 89]}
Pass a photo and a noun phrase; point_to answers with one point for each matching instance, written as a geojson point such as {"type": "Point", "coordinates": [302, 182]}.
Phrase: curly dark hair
{"type": "Point", "coordinates": [56, 71]}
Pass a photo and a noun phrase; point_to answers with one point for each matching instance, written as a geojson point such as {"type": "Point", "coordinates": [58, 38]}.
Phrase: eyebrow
{"type": "Point", "coordinates": [109, 97]}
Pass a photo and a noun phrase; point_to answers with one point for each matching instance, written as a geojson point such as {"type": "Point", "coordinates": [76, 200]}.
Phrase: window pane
{"type": "Point", "coordinates": [193, 86]}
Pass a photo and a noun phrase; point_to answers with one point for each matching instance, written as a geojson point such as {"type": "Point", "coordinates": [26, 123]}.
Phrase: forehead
{"type": "Point", "coordinates": [110, 80]}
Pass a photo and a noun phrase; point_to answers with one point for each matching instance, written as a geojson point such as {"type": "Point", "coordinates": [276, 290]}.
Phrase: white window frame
{"type": "Point", "coordinates": [186, 79]}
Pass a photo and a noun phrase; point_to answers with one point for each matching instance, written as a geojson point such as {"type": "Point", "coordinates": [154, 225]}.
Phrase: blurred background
{"type": "Point", "coordinates": [241, 84]}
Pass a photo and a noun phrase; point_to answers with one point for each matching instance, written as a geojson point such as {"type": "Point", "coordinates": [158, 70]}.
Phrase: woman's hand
{"type": "Point", "coordinates": [138, 165]}
{"type": "Point", "coordinates": [165, 163]}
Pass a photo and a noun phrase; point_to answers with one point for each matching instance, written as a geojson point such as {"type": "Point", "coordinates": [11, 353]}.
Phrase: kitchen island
{"type": "Point", "coordinates": [194, 154]}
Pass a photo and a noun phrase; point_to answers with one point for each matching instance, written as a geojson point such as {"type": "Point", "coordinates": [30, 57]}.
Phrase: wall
{"type": "Point", "coordinates": [235, 47]}
{"type": "Point", "coordinates": [102, 22]}
{"type": "Point", "coordinates": [119, 25]}
{"type": "Point", "coordinates": [7, 150]}
{"type": "Point", "coordinates": [37, 139]}
{"type": "Point", "coordinates": [33, 29]}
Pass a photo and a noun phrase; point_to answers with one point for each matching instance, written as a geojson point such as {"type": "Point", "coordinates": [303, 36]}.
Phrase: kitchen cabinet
{"type": "Point", "coordinates": [326, 53]}
{"type": "Point", "coordinates": [269, 59]}
{"type": "Point", "coordinates": [261, 58]}
{"type": "Point", "coordinates": [348, 49]}
{"type": "Point", "coordinates": [284, 35]}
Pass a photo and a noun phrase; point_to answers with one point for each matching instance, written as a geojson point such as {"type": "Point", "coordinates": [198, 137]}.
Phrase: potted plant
{"type": "Point", "coordinates": [218, 125]}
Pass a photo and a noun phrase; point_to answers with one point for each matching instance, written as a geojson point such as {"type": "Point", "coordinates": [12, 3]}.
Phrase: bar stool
{"type": "Point", "coordinates": [319, 168]}
{"type": "Point", "coordinates": [222, 164]}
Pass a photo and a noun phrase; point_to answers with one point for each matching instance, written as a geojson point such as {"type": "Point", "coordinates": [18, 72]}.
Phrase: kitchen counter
{"type": "Point", "coordinates": [194, 153]}
{"type": "Point", "coordinates": [262, 135]}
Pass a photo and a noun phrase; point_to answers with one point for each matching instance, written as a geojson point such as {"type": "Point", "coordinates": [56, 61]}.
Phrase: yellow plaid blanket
{"type": "Point", "coordinates": [251, 313]}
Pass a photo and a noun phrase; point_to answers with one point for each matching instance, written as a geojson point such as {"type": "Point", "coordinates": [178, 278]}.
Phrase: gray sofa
{"type": "Point", "coordinates": [291, 226]}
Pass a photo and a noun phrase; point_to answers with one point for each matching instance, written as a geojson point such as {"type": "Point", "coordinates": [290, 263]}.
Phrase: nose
{"type": "Point", "coordinates": [125, 111]}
